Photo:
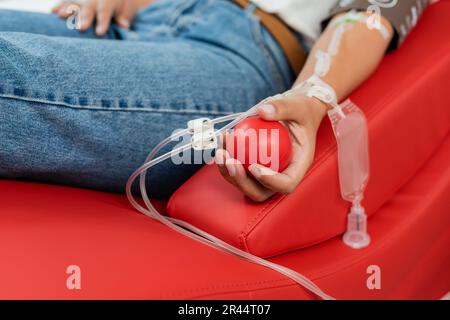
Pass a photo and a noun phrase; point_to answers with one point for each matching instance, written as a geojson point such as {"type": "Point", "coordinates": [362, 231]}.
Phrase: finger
{"type": "Point", "coordinates": [220, 159]}
{"type": "Point", "coordinates": [105, 11]}
{"type": "Point", "coordinates": [68, 10]}
{"type": "Point", "coordinates": [124, 15]}
{"type": "Point", "coordinates": [287, 181]}
{"type": "Point", "coordinates": [277, 182]}
{"type": "Point", "coordinates": [222, 154]}
{"type": "Point", "coordinates": [58, 7]}
{"type": "Point", "coordinates": [123, 22]}
{"type": "Point", "coordinates": [62, 12]}
{"type": "Point", "coordinates": [221, 150]}
{"type": "Point", "coordinates": [243, 182]}
{"type": "Point", "coordinates": [87, 15]}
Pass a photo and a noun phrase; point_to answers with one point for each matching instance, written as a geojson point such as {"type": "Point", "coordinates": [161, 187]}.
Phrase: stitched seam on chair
{"type": "Point", "coordinates": [225, 286]}
{"type": "Point", "coordinates": [268, 288]}
{"type": "Point", "coordinates": [274, 203]}
{"type": "Point", "coordinates": [328, 152]}
{"type": "Point", "coordinates": [77, 107]}
{"type": "Point", "coordinates": [243, 242]}
{"type": "Point", "coordinates": [253, 222]}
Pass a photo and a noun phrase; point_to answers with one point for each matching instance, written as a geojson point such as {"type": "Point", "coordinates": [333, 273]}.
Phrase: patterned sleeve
{"type": "Point", "coordinates": [403, 14]}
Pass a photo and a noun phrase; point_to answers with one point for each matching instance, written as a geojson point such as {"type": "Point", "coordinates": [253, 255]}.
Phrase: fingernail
{"type": "Point", "coordinates": [99, 30]}
{"type": "Point", "coordinates": [231, 167]}
{"type": "Point", "coordinates": [219, 157]}
{"type": "Point", "coordinates": [125, 23]}
{"type": "Point", "coordinates": [255, 170]}
{"type": "Point", "coordinates": [267, 109]}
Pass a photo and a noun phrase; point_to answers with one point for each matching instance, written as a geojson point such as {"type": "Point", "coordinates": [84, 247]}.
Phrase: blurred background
{"type": "Point", "coordinates": [28, 5]}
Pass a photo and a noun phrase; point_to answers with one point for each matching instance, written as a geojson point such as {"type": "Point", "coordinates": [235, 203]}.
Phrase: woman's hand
{"type": "Point", "coordinates": [302, 115]}
{"type": "Point", "coordinates": [103, 11]}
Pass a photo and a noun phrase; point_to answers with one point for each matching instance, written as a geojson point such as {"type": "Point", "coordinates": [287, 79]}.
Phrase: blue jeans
{"type": "Point", "coordinates": [85, 111]}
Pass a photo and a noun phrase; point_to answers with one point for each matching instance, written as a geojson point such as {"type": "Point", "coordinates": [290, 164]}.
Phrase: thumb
{"type": "Point", "coordinates": [278, 110]}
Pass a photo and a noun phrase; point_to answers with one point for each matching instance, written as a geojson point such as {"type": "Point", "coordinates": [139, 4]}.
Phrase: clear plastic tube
{"type": "Point", "coordinates": [192, 231]}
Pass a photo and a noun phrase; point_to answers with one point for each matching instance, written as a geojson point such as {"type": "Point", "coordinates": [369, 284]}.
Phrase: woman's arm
{"type": "Point", "coordinates": [358, 54]}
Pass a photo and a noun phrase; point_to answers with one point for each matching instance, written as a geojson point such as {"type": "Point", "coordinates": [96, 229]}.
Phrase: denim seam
{"type": "Point", "coordinates": [63, 104]}
{"type": "Point", "coordinates": [177, 11]}
{"type": "Point", "coordinates": [194, 17]}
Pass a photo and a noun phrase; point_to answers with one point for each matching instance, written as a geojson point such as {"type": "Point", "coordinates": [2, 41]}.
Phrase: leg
{"type": "Point", "coordinates": [87, 112]}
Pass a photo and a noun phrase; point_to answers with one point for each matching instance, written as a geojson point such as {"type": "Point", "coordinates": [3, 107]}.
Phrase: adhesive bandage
{"type": "Point", "coordinates": [372, 22]}
{"type": "Point", "coordinates": [323, 63]}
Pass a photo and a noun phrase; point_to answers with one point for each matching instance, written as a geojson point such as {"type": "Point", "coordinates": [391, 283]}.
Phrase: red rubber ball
{"type": "Point", "coordinates": [255, 140]}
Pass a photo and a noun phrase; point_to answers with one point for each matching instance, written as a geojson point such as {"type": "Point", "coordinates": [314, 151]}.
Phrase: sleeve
{"type": "Point", "coordinates": [402, 14]}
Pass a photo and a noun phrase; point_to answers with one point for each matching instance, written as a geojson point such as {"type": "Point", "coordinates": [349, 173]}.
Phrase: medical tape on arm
{"type": "Point", "coordinates": [343, 23]}
{"type": "Point", "coordinates": [319, 89]}
{"type": "Point", "coordinates": [354, 16]}
{"type": "Point", "coordinates": [324, 59]}
{"type": "Point", "coordinates": [323, 63]}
